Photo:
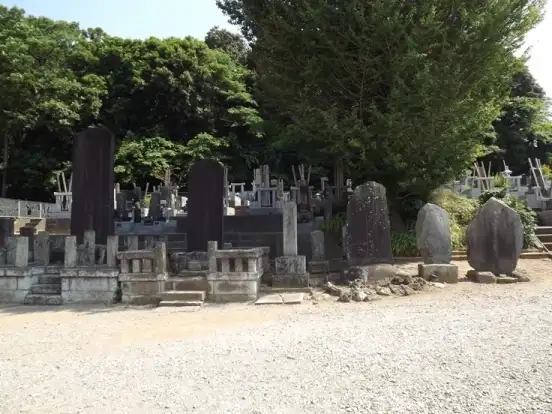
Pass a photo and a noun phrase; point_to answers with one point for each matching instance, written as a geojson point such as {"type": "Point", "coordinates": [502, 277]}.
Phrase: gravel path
{"type": "Point", "coordinates": [466, 349]}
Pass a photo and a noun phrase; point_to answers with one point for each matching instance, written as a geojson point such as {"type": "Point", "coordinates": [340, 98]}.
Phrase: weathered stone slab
{"type": "Point", "coordinates": [368, 236]}
{"type": "Point", "coordinates": [495, 238]}
{"type": "Point", "coordinates": [433, 234]}
{"type": "Point", "coordinates": [293, 298]}
{"type": "Point", "coordinates": [273, 299]}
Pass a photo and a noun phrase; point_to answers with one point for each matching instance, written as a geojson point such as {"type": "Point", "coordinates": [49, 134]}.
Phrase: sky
{"type": "Point", "coordinates": [179, 18]}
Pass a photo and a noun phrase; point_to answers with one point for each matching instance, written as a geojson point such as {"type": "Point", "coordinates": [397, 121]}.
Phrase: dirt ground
{"type": "Point", "coordinates": [90, 329]}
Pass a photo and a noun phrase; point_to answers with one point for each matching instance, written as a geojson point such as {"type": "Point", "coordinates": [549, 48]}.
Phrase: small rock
{"type": "Point", "coordinates": [397, 290]}
{"type": "Point", "coordinates": [345, 296]}
{"type": "Point", "coordinates": [521, 275]}
{"type": "Point", "coordinates": [417, 286]}
{"type": "Point", "coordinates": [486, 277]}
{"type": "Point", "coordinates": [383, 282]}
{"type": "Point", "coordinates": [332, 289]}
{"type": "Point", "coordinates": [506, 279]}
{"type": "Point", "coordinates": [397, 280]}
{"type": "Point", "coordinates": [437, 284]}
{"type": "Point", "coordinates": [408, 290]}
{"type": "Point", "coordinates": [370, 291]}
{"type": "Point", "coordinates": [433, 277]}
{"type": "Point", "coordinates": [371, 298]}
{"type": "Point", "coordinates": [358, 295]}
{"type": "Point", "coordinates": [471, 275]}
{"type": "Point", "coordinates": [383, 291]}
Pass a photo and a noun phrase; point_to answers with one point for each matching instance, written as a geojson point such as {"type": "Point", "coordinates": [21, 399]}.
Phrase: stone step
{"type": "Point", "coordinates": [42, 300]}
{"type": "Point", "coordinates": [544, 238]}
{"type": "Point", "coordinates": [46, 289]}
{"type": "Point", "coordinates": [180, 303]}
{"type": "Point", "coordinates": [142, 300]}
{"type": "Point", "coordinates": [49, 279]}
{"type": "Point", "coordinates": [543, 230]}
{"type": "Point", "coordinates": [182, 295]}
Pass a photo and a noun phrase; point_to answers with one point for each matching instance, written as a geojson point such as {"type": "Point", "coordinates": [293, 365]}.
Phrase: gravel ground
{"type": "Point", "coordinates": [465, 349]}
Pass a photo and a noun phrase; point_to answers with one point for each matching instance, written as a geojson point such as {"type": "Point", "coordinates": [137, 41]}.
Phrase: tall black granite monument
{"type": "Point", "coordinates": [93, 183]}
{"type": "Point", "coordinates": [205, 204]}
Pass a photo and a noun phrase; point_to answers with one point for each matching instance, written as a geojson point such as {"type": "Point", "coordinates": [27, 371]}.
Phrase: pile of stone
{"type": "Point", "coordinates": [400, 284]}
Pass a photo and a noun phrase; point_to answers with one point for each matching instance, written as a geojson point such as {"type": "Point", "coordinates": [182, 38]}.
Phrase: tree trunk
{"type": "Point", "coordinates": [5, 166]}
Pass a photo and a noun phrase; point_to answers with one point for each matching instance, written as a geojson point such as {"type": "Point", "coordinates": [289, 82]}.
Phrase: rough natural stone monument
{"type": "Point", "coordinates": [205, 204]}
{"type": "Point", "coordinates": [368, 235]}
{"type": "Point", "coordinates": [495, 238]}
{"type": "Point", "coordinates": [433, 234]}
{"type": "Point", "coordinates": [93, 181]}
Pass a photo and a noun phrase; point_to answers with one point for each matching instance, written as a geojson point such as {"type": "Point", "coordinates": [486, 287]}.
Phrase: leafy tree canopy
{"type": "Point", "coordinates": [401, 92]}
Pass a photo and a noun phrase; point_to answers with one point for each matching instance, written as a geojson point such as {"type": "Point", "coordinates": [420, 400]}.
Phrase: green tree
{"type": "Point", "coordinates": [401, 92]}
{"type": "Point", "coordinates": [524, 130]}
{"type": "Point", "coordinates": [148, 159]}
{"type": "Point", "coordinates": [43, 101]}
{"type": "Point", "coordinates": [231, 43]}
{"type": "Point", "coordinates": [177, 89]}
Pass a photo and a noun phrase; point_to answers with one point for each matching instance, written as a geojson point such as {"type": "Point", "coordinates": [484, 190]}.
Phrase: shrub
{"type": "Point", "coordinates": [334, 223]}
{"type": "Point", "coordinates": [461, 209]}
{"type": "Point", "coordinates": [404, 244]}
{"type": "Point", "coordinates": [528, 216]}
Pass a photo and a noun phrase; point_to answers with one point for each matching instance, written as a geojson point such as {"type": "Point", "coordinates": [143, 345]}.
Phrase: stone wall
{"type": "Point", "coordinates": [16, 282]}
{"type": "Point", "coordinates": [88, 285]}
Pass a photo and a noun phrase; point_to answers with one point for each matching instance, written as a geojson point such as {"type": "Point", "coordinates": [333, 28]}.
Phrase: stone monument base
{"type": "Point", "coordinates": [370, 273]}
{"type": "Point", "coordinates": [447, 273]}
{"type": "Point", "coordinates": [290, 271]}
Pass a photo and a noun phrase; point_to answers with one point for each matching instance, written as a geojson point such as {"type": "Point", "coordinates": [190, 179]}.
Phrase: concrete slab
{"type": "Point", "coordinates": [273, 299]}
{"type": "Point", "coordinates": [293, 298]}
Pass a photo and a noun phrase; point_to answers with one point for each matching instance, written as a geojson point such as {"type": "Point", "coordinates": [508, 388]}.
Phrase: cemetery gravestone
{"type": "Point", "coordinates": [93, 179]}
{"type": "Point", "coordinates": [368, 235]}
{"type": "Point", "coordinates": [155, 206]}
{"type": "Point", "coordinates": [495, 238]}
{"type": "Point", "coordinates": [205, 204]}
{"type": "Point", "coordinates": [433, 234]}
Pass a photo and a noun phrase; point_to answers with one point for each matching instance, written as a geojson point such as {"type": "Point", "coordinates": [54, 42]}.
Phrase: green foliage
{"type": "Point", "coordinates": [231, 43]}
{"type": "Point", "coordinates": [547, 170]}
{"type": "Point", "coordinates": [528, 216]}
{"type": "Point", "coordinates": [524, 129]}
{"type": "Point", "coordinates": [188, 99]}
{"type": "Point", "coordinates": [145, 159]}
{"type": "Point", "coordinates": [335, 223]}
{"type": "Point", "coordinates": [404, 244]}
{"type": "Point", "coordinates": [402, 92]}
{"type": "Point", "coordinates": [500, 181]}
{"type": "Point", "coordinates": [461, 210]}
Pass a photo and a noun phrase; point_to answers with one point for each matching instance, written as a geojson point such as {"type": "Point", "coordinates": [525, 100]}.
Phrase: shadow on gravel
{"type": "Point", "coordinates": [88, 309]}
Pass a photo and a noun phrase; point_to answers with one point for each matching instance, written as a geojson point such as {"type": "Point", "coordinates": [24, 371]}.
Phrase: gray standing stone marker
{"type": "Point", "coordinates": [433, 234]}
{"type": "Point", "coordinates": [368, 234]}
{"type": "Point", "coordinates": [495, 238]}
{"type": "Point", "coordinates": [317, 246]}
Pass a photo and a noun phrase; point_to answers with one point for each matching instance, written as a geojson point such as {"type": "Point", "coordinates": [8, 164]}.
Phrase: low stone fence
{"type": "Point", "coordinates": [143, 273]}
{"type": "Point", "coordinates": [235, 274]}
{"type": "Point", "coordinates": [16, 277]}
{"type": "Point", "coordinates": [89, 273]}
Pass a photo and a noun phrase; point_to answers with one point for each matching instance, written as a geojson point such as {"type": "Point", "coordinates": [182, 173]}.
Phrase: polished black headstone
{"type": "Point", "coordinates": [93, 182]}
{"type": "Point", "coordinates": [205, 204]}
